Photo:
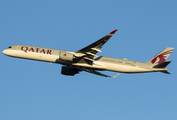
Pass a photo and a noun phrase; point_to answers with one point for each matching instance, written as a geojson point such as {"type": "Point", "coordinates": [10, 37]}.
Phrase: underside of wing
{"type": "Point", "coordinates": [90, 51]}
{"type": "Point", "coordinates": [96, 46]}
{"type": "Point", "coordinates": [98, 73]}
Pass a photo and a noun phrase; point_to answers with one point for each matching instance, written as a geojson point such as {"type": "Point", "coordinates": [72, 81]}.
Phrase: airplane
{"type": "Point", "coordinates": [86, 59]}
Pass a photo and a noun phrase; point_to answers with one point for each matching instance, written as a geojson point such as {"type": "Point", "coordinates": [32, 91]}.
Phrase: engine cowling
{"type": "Point", "coordinates": [68, 71]}
{"type": "Point", "coordinates": [66, 56]}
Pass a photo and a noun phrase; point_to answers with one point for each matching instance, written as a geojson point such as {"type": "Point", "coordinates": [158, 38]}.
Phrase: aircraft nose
{"type": "Point", "coordinates": [4, 51]}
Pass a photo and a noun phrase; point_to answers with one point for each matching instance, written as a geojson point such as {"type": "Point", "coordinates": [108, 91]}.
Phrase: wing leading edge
{"type": "Point", "coordinates": [96, 46]}
{"type": "Point", "coordinates": [91, 50]}
{"type": "Point", "coordinates": [87, 54]}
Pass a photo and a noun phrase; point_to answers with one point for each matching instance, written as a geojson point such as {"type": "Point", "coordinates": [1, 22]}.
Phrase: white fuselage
{"type": "Point", "coordinates": [100, 62]}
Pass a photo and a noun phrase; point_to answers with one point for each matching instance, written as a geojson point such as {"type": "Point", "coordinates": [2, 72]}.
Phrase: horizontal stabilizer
{"type": "Point", "coordinates": [166, 72]}
{"type": "Point", "coordinates": [162, 65]}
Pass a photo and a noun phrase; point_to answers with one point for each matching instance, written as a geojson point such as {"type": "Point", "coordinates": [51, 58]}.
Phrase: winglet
{"type": "Point", "coordinates": [113, 31]}
{"type": "Point", "coordinates": [115, 75]}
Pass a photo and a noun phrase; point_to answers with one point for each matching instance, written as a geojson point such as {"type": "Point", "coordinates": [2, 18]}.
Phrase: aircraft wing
{"type": "Point", "coordinates": [98, 73]}
{"type": "Point", "coordinates": [96, 46]}
{"type": "Point", "coordinates": [90, 51]}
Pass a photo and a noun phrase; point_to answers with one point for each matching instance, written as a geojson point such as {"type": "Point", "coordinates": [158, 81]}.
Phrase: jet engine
{"type": "Point", "coordinates": [68, 71]}
{"type": "Point", "coordinates": [66, 56]}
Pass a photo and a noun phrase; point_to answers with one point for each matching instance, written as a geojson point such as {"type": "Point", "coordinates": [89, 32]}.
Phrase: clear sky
{"type": "Point", "coordinates": [33, 90]}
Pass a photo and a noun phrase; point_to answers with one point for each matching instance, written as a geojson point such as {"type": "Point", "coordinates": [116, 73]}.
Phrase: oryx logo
{"type": "Point", "coordinates": [161, 57]}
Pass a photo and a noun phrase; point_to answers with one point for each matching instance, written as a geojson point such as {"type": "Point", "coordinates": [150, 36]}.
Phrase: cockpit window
{"type": "Point", "coordinates": [10, 47]}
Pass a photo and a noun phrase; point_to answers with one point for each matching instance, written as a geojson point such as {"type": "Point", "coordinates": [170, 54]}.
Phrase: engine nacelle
{"type": "Point", "coordinates": [68, 71]}
{"type": "Point", "coordinates": [66, 56]}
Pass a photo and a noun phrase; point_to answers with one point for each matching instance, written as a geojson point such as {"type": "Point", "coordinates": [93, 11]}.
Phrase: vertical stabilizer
{"type": "Point", "coordinates": [162, 56]}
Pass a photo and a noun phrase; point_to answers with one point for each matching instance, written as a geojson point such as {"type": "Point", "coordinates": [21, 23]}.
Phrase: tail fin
{"type": "Point", "coordinates": [161, 57]}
